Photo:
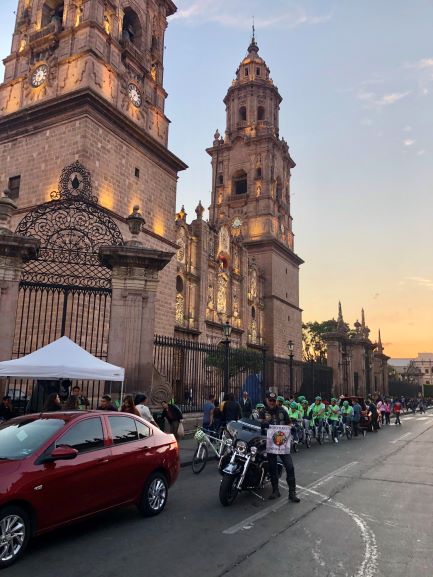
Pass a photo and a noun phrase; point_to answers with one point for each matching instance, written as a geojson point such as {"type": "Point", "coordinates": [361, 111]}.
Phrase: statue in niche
{"type": "Point", "coordinates": [253, 332]}
{"type": "Point", "coordinates": [236, 259]}
{"type": "Point", "coordinates": [235, 305]}
{"type": "Point", "coordinates": [180, 254]}
{"type": "Point", "coordinates": [222, 294]}
{"type": "Point", "coordinates": [210, 303]}
{"type": "Point", "coordinates": [258, 190]}
{"type": "Point", "coordinates": [224, 240]}
{"type": "Point", "coordinates": [180, 301]}
{"type": "Point", "coordinates": [252, 293]}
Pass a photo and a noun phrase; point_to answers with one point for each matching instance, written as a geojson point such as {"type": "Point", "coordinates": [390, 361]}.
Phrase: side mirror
{"type": "Point", "coordinates": [61, 453]}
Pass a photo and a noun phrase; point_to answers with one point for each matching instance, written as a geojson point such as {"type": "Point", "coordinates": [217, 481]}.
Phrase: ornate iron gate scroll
{"type": "Point", "coordinates": [66, 291]}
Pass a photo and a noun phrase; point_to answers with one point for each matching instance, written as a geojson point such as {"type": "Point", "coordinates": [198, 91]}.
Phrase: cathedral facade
{"type": "Point", "coordinates": [240, 266]}
{"type": "Point", "coordinates": [89, 246]}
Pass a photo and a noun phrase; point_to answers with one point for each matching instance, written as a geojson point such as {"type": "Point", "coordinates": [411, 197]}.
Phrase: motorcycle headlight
{"type": "Point", "coordinates": [229, 442]}
{"type": "Point", "coordinates": [241, 446]}
{"type": "Point", "coordinates": [253, 451]}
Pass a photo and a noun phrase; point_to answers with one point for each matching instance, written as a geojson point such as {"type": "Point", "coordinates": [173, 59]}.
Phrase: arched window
{"type": "Point", "coordinates": [258, 172]}
{"type": "Point", "coordinates": [240, 185]}
{"type": "Point", "coordinates": [260, 113]}
{"type": "Point", "coordinates": [278, 189]}
{"type": "Point", "coordinates": [179, 284]}
{"type": "Point", "coordinates": [131, 27]}
{"type": "Point", "coordinates": [52, 12]}
{"type": "Point", "coordinates": [220, 179]}
{"type": "Point", "coordinates": [253, 313]}
{"type": "Point", "coordinates": [242, 114]}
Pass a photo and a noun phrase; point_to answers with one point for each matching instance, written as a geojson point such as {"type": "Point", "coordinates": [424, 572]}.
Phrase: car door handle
{"type": "Point", "coordinates": [102, 461]}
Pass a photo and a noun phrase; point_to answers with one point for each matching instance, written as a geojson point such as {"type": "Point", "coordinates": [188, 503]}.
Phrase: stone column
{"type": "Point", "coordinates": [14, 252]}
{"type": "Point", "coordinates": [134, 284]}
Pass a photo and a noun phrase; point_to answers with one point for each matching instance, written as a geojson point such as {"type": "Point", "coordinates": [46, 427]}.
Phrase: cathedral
{"type": "Point", "coordinates": [91, 246]}
{"type": "Point", "coordinates": [240, 266]}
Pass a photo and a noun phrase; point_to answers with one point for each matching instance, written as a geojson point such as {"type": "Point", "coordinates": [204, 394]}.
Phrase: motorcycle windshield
{"type": "Point", "coordinates": [246, 429]}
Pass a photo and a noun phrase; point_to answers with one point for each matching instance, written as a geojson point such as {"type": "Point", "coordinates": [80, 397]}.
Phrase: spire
{"type": "Point", "coordinates": [379, 344]}
{"type": "Point", "coordinates": [253, 45]}
{"type": "Point", "coordinates": [362, 319]}
{"type": "Point", "coordinates": [341, 327]}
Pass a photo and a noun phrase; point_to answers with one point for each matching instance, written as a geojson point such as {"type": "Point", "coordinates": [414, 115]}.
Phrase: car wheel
{"type": "Point", "coordinates": [154, 496]}
{"type": "Point", "coordinates": [14, 534]}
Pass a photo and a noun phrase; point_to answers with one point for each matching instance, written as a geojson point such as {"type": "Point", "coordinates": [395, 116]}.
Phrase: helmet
{"type": "Point", "coordinates": [301, 398]}
{"type": "Point", "coordinates": [318, 398]}
{"type": "Point", "coordinates": [260, 406]}
{"type": "Point", "coordinates": [286, 403]}
{"type": "Point", "coordinates": [280, 398]}
{"type": "Point", "coordinates": [293, 405]}
{"type": "Point", "coordinates": [333, 400]}
{"type": "Point", "coordinates": [345, 403]}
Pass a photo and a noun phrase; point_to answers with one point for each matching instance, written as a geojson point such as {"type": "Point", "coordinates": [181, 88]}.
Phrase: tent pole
{"type": "Point", "coordinates": [121, 393]}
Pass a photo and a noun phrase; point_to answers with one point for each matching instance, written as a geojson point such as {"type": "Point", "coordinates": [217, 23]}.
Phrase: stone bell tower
{"type": "Point", "coordinates": [251, 171]}
{"type": "Point", "coordinates": [83, 96]}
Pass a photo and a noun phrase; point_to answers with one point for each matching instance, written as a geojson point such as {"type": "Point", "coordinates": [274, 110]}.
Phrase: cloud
{"type": "Point", "coordinates": [408, 142]}
{"type": "Point", "coordinates": [425, 63]}
{"type": "Point", "coordinates": [421, 281]}
{"type": "Point", "coordinates": [233, 15]}
{"type": "Point", "coordinates": [407, 128]}
{"type": "Point", "coordinates": [375, 100]}
{"type": "Point", "coordinates": [420, 152]}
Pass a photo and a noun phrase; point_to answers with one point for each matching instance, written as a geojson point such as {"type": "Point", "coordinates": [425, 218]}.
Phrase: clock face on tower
{"type": "Point", "coordinates": [134, 95]}
{"type": "Point", "coordinates": [39, 76]}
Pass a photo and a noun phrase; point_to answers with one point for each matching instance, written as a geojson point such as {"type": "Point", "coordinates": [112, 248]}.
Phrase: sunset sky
{"type": "Point", "coordinates": [357, 112]}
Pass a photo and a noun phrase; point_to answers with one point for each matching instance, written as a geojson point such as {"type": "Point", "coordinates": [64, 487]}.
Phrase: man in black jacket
{"type": "Point", "coordinates": [246, 406]}
{"type": "Point", "coordinates": [274, 415]}
{"type": "Point", "coordinates": [231, 409]}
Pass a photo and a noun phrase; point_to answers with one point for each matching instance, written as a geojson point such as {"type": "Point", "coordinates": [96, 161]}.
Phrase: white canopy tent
{"type": "Point", "coordinates": [62, 359]}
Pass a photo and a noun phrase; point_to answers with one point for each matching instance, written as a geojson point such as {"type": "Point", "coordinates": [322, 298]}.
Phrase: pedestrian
{"type": "Point", "coordinates": [77, 401]}
{"type": "Point", "coordinates": [272, 414]}
{"type": "Point", "coordinates": [356, 416]}
{"type": "Point", "coordinates": [246, 406]}
{"type": "Point", "coordinates": [231, 410]}
{"type": "Point", "coordinates": [381, 408]}
{"type": "Point", "coordinates": [387, 411]}
{"type": "Point", "coordinates": [372, 409]}
{"type": "Point", "coordinates": [6, 409]}
{"type": "Point", "coordinates": [106, 404]}
{"type": "Point", "coordinates": [143, 409]}
{"type": "Point", "coordinates": [173, 416]}
{"type": "Point", "coordinates": [208, 411]}
{"type": "Point", "coordinates": [397, 411]}
{"type": "Point", "coordinates": [52, 403]}
{"type": "Point", "coordinates": [128, 406]}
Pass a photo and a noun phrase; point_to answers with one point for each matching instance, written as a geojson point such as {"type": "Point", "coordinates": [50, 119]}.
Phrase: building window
{"type": "Point", "coordinates": [52, 13]}
{"type": "Point", "coordinates": [14, 187]}
{"type": "Point", "coordinates": [240, 182]}
{"type": "Point", "coordinates": [137, 173]}
{"type": "Point", "coordinates": [131, 27]}
{"type": "Point", "coordinates": [246, 71]}
{"type": "Point", "coordinates": [253, 313]}
{"type": "Point", "coordinates": [260, 113]}
{"type": "Point", "coordinates": [220, 179]}
{"type": "Point", "coordinates": [259, 172]}
{"type": "Point", "coordinates": [242, 114]}
{"type": "Point", "coordinates": [257, 71]}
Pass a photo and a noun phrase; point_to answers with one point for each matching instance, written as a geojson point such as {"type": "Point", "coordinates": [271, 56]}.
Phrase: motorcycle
{"type": "Point", "coordinates": [245, 466]}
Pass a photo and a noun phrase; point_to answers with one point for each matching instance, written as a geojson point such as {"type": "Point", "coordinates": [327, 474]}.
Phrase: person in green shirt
{"type": "Point", "coordinates": [347, 412]}
{"type": "Point", "coordinates": [334, 418]}
{"type": "Point", "coordinates": [318, 413]}
{"type": "Point", "coordinates": [295, 416]}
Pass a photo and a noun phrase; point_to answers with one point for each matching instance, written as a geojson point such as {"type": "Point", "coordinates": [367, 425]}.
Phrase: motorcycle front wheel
{"type": "Point", "coordinates": [228, 490]}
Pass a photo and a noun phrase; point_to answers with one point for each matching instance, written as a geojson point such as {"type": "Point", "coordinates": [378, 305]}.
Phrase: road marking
{"type": "Point", "coordinates": [402, 438]}
{"type": "Point", "coordinates": [408, 418]}
{"type": "Point", "coordinates": [368, 566]}
{"type": "Point", "coordinates": [422, 418]}
{"type": "Point", "coordinates": [249, 521]}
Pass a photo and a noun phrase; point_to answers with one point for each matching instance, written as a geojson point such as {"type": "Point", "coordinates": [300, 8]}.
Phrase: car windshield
{"type": "Point", "coordinates": [21, 438]}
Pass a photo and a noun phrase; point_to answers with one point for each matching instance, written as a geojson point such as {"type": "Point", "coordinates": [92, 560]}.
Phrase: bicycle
{"type": "Point", "coordinates": [207, 441]}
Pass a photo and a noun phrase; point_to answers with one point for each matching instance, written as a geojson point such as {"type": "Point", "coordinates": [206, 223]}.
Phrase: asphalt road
{"type": "Point", "coordinates": [365, 511]}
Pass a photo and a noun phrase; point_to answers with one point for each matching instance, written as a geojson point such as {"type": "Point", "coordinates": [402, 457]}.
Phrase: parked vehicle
{"type": "Point", "coordinates": [45, 458]}
{"type": "Point", "coordinates": [245, 466]}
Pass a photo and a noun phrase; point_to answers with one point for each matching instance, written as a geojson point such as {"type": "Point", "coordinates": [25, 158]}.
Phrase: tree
{"type": "Point", "coordinates": [242, 360]}
{"type": "Point", "coordinates": [313, 345]}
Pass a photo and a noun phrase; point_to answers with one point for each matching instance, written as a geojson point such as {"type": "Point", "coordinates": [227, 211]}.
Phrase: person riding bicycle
{"type": "Point", "coordinates": [296, 418]}
{"type": "Point", "coordinates": [347, 412]}
{"type": "Point", "coordinates": [281, 402]}
{"type": "Point", "coordinates": [318, 413]}
{"type": "Point", "coordinates": [256, 412]}
{"type": "Point", "coordinates": [334, 418]}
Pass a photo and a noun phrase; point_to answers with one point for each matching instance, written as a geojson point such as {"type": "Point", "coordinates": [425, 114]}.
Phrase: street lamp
{"type": "Point", "coordinates": [291, 349]}
{"type": "Point", "coordinates": [227, 330]}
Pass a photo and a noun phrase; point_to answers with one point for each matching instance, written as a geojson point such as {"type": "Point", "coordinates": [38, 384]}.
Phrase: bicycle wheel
{"type": "Point", "coordinates": [308, 440]}
{"type": "Point", "coordinates": [199, 459]}
{"type": "Point", "coordinates": [349, 432]}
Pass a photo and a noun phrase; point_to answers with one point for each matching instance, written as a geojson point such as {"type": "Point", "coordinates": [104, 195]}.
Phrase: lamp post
{"type": "Point", "coordinates": [227, 330]}
{"type": "Point", "coordinates": [291, 348]}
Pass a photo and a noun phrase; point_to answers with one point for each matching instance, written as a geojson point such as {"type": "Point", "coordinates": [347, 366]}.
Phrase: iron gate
{"type": "Point", "coordinates": [66, 290]}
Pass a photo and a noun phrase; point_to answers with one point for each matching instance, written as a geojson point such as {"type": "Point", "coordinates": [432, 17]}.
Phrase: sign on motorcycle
{"type": "Point", "coordinates": [278, 439]}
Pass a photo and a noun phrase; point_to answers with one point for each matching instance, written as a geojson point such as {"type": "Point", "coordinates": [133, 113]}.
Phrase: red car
{"type": "Point", "coordinates": [58, 467]}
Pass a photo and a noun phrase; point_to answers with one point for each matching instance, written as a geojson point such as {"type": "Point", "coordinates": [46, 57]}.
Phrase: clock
{"type": "Point", "coordinates": [237, 222]}
{"type": "Point", "coordinates": [134, 95]}
{"type": "Point", "coordinates": [39, 76]}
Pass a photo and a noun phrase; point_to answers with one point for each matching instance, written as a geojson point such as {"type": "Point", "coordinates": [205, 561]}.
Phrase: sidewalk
{"type": "Point", "coordinates": [187, 447]}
